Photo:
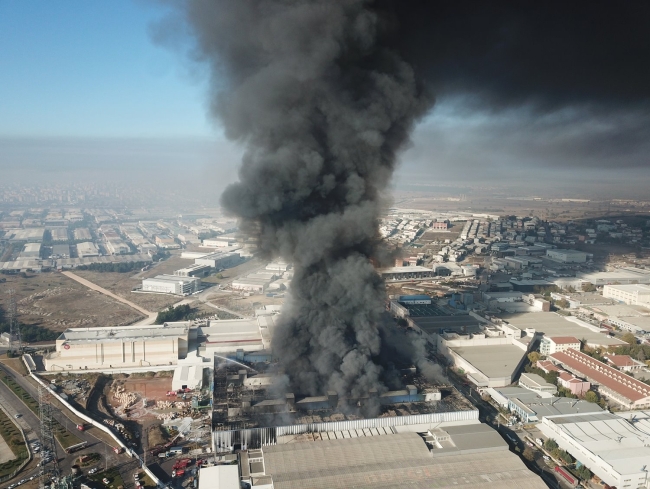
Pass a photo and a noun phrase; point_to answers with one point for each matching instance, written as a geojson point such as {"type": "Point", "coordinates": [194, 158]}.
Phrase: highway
{"type": "Point", "coordinates": [31, 425]}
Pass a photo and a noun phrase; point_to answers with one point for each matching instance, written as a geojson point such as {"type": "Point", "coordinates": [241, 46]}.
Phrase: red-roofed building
{"type": "Point", "coordinates": [577, 386]}
{"type": "Point", "coordinates": [624, 363]}
{"type": "Point", "coordinates": [612, 383]}
{"type": "Point", "coordinates": [551, 345]}
{"type": "Point", "coordinates": [547, 366]}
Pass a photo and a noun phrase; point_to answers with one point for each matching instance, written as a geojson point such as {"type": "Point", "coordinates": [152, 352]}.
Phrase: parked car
{"type": "Point", "coordinates": [18, 415]}
{"type": "Point", "coordinates": [105, 480]}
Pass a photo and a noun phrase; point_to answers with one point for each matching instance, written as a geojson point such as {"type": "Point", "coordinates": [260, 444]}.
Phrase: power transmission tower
{"type": "Point", "coordinates": [14, 327]}
{"type": "Point", "coordinates": [50, 469]}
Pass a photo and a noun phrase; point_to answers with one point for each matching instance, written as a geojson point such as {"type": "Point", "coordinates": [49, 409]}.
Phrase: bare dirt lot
{"type": "Point", "coordinates": [151, 388]}
{"type": "Point", "coordinates": [55, 302]}
{"type": "Point", "coordinates": [168, 266]}
{"type": "Point", "coordinates": [123, 283]}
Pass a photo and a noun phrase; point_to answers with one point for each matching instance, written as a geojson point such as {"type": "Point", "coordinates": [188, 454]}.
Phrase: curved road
{"type": "Point", "coordinates": [31, 425]}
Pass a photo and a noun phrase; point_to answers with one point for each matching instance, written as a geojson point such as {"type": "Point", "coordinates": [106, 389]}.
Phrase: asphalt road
{"type": "Point", "coordinates": [29, 421]}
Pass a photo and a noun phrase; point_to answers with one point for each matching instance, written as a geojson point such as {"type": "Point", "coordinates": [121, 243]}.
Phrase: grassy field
{"type": "Point", "coordinates": [14, 439]}
{"type": "Point", "coordinates": [15, 364]}
{"type": "Point", "coordinates": [64, 437]}
{"type": "Point", "coordinates": [40, 298]}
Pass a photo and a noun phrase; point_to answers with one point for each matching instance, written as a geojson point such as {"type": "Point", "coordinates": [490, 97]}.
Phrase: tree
{"type": "Point", "coordinates": [589, 287]}
{"type": "Point", "coordinates": [551, 377]}
{"type": "Point", "coordinates": [629, 338]}
{"type": "Point", "coordinates": [584, 473]}
{"type": "Point", "coordinates": [591, 396]}
{"type": "Point", "coordinates": [550, 444]}
{"type": "Point", "coordinates": [529, 454]}
{"type": "Point", "coordinates": [533, 356]}
{"type": "Point", "coordinates": [563, 303]}
{"type": "Point", "coordinates": [641, 355]}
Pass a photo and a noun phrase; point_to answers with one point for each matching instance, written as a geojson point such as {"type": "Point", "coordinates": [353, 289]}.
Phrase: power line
{"type": "Point", "coordinates": [14, 327]}
{"type": "Point", "coordinates": [50, 469]}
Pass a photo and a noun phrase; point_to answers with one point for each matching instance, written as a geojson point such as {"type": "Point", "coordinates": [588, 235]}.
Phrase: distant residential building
{"type": "Point", "coordinates": [624, 363]}
{"type": "Point", "coordinates": [171, 284]}
{"type": "Point", "coordinates": [550, 345]}
{"type": "Point", "coordinates": [632, 294]}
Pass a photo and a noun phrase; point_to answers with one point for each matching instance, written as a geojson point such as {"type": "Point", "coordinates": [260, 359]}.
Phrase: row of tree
{"type": "Point", "coordinates": [114, 267]}
{"type": "Point", "coordinates": [171, 314]}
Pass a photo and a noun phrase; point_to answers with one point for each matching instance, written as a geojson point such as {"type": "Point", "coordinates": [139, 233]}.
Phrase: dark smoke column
{"type": "Point", "coordinates": [322, 104]}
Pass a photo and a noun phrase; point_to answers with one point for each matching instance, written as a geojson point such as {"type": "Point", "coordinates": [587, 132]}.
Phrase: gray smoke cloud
{"type": "Point", "coordinates": [322, 105]}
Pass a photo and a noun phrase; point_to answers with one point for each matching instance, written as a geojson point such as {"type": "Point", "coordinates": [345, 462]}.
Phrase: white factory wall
{"type": "Point", "coordinates": [115, 354]}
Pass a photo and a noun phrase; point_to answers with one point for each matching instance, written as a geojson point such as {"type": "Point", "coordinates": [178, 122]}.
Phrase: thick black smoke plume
{"type": "Point", "coordinates": [324, 93]}
{"type": "Point", "coordinates": [323, 106]}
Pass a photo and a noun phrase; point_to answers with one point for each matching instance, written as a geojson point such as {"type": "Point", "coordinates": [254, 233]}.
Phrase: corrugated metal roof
{"type": "Point", "coordinates": [393, 461]}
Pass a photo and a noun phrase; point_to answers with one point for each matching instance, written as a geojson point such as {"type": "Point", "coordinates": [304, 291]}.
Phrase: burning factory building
{"type": "Point", "coordinates": [250, 410]}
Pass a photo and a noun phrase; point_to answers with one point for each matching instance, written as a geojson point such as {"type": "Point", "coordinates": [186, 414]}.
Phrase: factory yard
{"type": "Point", "coordinates": [40, 297]}
{"type": "Point", "coordinates": [149, 387]}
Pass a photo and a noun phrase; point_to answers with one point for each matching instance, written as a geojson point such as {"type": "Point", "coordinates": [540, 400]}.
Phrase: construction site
{"type": "Point", "coordinates": [250, 410]}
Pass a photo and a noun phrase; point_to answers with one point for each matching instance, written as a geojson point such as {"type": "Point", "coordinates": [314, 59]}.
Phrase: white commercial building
{"type": "Point", "coordinates": [171, 284]}
{"type": "Point", "coordinates": [406, 273]}
{"type": "Point", "coordinates": [187, 377]}
{"type": "Point", "coordinates": [553, 344]}
{"type": "Point", "coordinates": [31, 250]}
{"type": "Point", "coordinates": [567, 256]}
{"type": "Point", "coordinates": [193, 271]}
{"type": "Point", "coordinates": [219, 260]}
{"type": "Point", "coordinates": [534, 382]}
{"type": "Point", "coordinates": [253, 284]}
{"type": "Point", "coordinates": [615, 448]}
{"type": "Point", "coordinates": [119, 347]}
{"type": "Point", "coordinates": [632, 294]}
{"type": "Point", "coordinates": [220, 242]}
{"type": "Point", "coordinates": [87, 249]}
{"type": "Point", "coordinates": [636, 325]}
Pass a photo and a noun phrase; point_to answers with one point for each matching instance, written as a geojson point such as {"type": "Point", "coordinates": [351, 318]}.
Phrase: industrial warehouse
{"type": "Point", "coordinates": [248, 412]}
{"type": "Point", "coordinates": [451, 454]}
{"type": "Point", "coordinates": [126, 347]}
{"type": "Point", "coordinates": [615, 447]}
{"type": "Point", "coordinates": [118, 347]}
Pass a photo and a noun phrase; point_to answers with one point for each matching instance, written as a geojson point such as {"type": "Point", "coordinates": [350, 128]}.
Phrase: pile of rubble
{"type": "Point", "coordinates": [126, 399]}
